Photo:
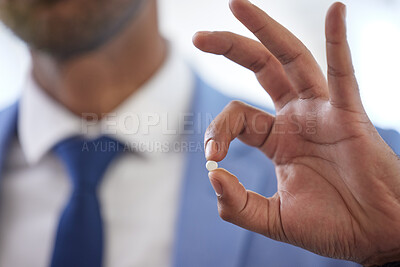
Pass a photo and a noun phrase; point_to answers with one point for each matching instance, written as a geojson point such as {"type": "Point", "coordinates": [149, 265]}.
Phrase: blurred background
{"type": "Point", "coordinates": [373, 30]}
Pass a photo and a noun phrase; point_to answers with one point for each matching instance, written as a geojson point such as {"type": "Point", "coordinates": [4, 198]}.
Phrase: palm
{"type": "Point", "coordinates": [338, 182]}
{"type": "Point", "coordinates": [313, 181]}
{"type": "Point", "coordinates": [318, 151]}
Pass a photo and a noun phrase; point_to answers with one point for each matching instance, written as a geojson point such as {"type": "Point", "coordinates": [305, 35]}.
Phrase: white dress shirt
{"type": "Point", "coordinates": [139, 193]}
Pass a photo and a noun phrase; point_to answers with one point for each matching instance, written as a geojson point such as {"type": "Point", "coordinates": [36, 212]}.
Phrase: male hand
{"type": "Point", "coordinates": [338, 181]}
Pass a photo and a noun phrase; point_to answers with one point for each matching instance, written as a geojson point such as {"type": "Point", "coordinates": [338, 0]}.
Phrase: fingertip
{"type": "Point", "coordinates": [198, 39]}
{"type": "Point", "coordinates": [217, 157]}
{"type": "Point", "coordinates": [215, 151]}
{"type": "Point", "coordinates": [218, 178]}
{"type": "Point", "coordinates": [226, 182]}
{"type": "Point", "coordinates": [195, 37]}
{"type": "Point", "coordinates": [233, 4]}
{"type": "Point", "coordinates": [238, 7]}
{"type": "Point", "coordinates": [337, 9]}
{"type": "Point", "coordinates": [220, 173]}
{"type": "Point", "coordinates": [211, 148]}
{"type": "Point", "coordinates": [335, 27]}
{"type": "Point", "coordinates": [215, 183]}
{"type": "Point", "coordinates": [208, 42]}
{"type": "Point", "coordinates": [337, 5]}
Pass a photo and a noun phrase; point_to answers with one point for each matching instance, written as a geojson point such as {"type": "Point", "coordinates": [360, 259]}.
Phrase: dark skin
{"type": "Point", "coordinates": [338, 182]}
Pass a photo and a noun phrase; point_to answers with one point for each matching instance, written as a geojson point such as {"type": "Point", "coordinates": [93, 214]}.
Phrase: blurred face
{"type": "Point", "coordinates": [65, 28]}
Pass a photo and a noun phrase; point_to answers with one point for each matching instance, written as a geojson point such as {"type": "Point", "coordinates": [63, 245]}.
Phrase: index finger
{"type": "Point", "coordinates": [302, 69]}
{"type": "Point", "coordinates": [251, 125]}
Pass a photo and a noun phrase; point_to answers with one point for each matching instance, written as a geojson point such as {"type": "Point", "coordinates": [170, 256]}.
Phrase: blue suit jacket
{"type": "Point", "coordinates": [202, 238]}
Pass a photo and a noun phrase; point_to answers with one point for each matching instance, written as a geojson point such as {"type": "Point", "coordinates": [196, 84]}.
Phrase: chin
{"type": "Point", "coordinates": [67, 28]}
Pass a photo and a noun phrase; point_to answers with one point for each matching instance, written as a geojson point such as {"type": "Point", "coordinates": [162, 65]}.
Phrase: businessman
{"type": "Point", "coordinates": [96, 169]}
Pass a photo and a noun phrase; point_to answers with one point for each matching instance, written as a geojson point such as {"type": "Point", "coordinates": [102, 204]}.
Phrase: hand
{"type": "Point", "coordinates": [338, 181]}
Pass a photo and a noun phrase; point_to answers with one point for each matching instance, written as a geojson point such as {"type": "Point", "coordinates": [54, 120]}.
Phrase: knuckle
{"type": "Point", "coordinates": [287, 58]}
{"type": "Point", "coordinates": [260, 29]}
{"type": "Point", "coordinates": [228, 50]}
{"type": "Point", "coordinates": [225, 214]}
{"type": "Point", "coordinates": [260, 63]}
{"type": "Point", "coordinates": [335, 72]}
{"type": "Point", "coordinates": [235, 104]}
{"type": "Point", "coordinates": [334, 42]}
{"type": "Point", "coordinates": [211, 132]}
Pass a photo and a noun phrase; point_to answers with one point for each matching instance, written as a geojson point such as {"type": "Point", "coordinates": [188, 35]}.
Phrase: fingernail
{"type": "Point", "coordinates": [216, 185]}
{"type": "Point", "coordinates": [211, 148]}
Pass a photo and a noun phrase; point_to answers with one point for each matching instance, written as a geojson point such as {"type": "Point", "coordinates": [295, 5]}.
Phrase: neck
{"type": "Point", "coordinates": [98, 81]}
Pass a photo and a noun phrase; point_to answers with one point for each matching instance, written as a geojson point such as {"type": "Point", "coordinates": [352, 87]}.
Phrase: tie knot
{"type": "Point", "coordinates": [87, 160]}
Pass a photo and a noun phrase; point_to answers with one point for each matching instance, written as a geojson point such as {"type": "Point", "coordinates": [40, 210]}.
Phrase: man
{"type": "Point", "coordinates": [128, 200]}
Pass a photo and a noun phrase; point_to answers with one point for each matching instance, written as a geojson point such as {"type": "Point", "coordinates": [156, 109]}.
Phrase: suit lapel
{"type": "Point", "coordinates": [202, 238]}
{"type": "Point", "coordinates": [8, 127]}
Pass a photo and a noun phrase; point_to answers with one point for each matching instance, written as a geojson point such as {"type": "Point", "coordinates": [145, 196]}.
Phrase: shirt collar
{"type": "Point", "coordinates": [148, 121]}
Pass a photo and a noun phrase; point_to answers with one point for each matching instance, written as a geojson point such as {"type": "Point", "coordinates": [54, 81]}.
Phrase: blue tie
{"type": "Point", "coordinates": [79, 239]}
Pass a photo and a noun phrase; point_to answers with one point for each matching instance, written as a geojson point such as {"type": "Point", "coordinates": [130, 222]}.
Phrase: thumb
{"type": "Point", "coordinates": [246, 208]}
